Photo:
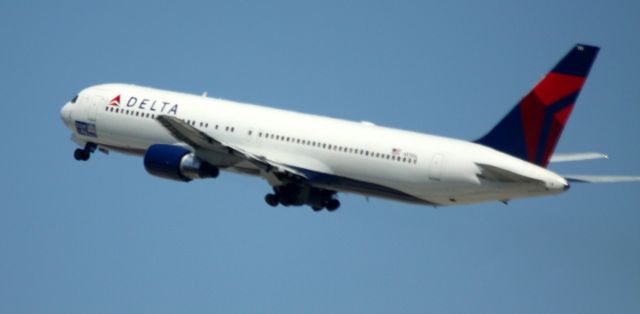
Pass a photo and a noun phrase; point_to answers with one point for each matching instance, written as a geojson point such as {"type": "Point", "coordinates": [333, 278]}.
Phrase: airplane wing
{"type": "Point", "coordinates": [600, 179]}
{"type": "Point", "coordinates": [564, 157]}
{"type": "Point", "coordinates": [199, 140]}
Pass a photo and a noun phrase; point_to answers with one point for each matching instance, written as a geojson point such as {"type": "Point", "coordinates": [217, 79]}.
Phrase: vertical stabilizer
{"type": "Point", "coordinates": [533, 127]}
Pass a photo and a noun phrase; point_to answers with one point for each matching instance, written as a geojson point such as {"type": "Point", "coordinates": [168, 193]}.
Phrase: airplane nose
{"type": "Point", "coordinates": [65, 114]}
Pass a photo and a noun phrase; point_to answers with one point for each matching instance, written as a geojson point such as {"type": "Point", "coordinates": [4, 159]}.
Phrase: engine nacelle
{"type": "Point", "coordinates": [176, 163]}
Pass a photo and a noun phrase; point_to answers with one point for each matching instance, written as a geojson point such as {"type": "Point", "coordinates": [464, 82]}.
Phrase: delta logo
{"type": "Point", "coordinates": [146, 104]}
{"type": "Point", "coordinates": [115, 101]}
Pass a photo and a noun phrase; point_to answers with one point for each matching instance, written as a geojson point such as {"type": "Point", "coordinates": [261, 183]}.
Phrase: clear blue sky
{"type": "Point", "coordinates": [105, 237]}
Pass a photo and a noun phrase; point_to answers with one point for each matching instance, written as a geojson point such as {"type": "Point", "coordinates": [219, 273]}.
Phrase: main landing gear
{"type": "Point", "coordinates": [83, 154]}
{"type": "Point", "coordinates": [296, 195]}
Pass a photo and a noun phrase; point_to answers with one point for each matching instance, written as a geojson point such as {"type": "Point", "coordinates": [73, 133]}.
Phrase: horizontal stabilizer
{"type": "Point", "coordinates": [600, 179]}
{"type": "Point", "coordinates": [564, 157]}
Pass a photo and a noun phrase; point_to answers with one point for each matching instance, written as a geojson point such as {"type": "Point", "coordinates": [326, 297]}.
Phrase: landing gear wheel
{"type": "Point", "coordinates": [316, 208]}
{"type": "Point", "coordinates": [332, 205]}
{"type": "Point", "coordinates": [84, 154]}
{"type": "Point", "coordinates": [271, 199]}
{"type": "Point", "coordinates": [81, 154]}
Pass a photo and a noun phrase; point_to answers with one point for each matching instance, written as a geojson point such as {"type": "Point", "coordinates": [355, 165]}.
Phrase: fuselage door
{"type": "Point", "coordinates": [92, 110]}
{"type": "Point", "coordinates": [435, 167]}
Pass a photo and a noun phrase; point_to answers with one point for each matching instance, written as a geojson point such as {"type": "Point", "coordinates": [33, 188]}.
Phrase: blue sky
{"type": "Point", "coordinates": [105, 237]}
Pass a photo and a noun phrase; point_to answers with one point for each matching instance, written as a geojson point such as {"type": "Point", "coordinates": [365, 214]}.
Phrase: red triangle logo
{"type": "Point", "coordinates": [115, 101]}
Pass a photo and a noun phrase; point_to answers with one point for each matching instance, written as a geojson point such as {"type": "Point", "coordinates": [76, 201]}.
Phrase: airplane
{"type": "Point", "coordinates": [309, 159]}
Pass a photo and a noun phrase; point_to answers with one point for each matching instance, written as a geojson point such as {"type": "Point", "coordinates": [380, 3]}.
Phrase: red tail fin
{"type": "Point", "coordinates": [533, 127]}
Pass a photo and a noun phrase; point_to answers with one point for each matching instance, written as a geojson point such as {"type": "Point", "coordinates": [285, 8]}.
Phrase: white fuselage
{"type": "Point", "coordinates": [340, 155]}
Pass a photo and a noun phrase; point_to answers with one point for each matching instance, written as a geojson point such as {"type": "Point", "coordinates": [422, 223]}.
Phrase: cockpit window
{"type": "Point", "coordinates": [73, 101]}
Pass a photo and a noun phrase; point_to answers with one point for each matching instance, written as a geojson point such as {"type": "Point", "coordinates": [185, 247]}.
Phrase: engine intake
{"type": "Point", "coordinates": [176, 163]}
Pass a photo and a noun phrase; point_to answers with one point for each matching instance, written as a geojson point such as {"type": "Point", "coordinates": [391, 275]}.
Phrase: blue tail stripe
{"type": "Point", "coordinates": [548, 122]}
{"type": "Point", "coordinates": [578, 62]}
{"type": "Point", "coordinates": [508, 136]}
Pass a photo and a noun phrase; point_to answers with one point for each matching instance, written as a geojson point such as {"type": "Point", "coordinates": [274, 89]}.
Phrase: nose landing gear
{"type": "Point", "coordinates": [83, 154]}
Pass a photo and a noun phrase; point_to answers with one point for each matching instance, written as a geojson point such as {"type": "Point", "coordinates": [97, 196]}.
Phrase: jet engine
{"type": "Point", "coordinates": [177, 163]}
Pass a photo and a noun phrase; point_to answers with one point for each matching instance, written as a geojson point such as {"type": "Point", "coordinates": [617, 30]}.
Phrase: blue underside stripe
{"type": "Point", "coordinates": [357, 186]}
{"type": "Point", "coordinates": [337, 182]}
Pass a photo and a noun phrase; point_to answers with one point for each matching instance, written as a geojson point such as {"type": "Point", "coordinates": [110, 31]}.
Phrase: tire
{"type": "Point", "coordinates": [332, 205]}
{"type": "Point", "coordinates": [271, 199]}
{"type": "Point", "coordinates": [81, 155]}
{"type": "Point", "coordinates": [215, 172]}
